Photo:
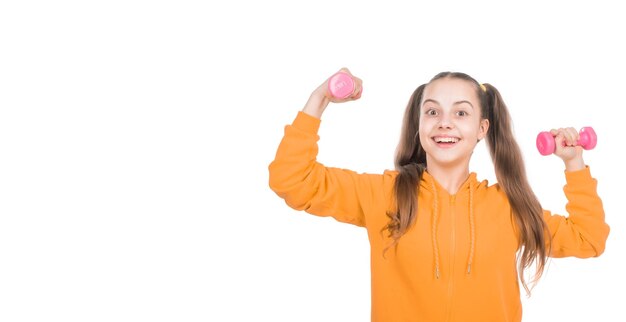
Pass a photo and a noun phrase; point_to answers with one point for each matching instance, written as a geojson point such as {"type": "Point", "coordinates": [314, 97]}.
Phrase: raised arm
{"type": "Point", "coordinates": [306, 184]}
{"type": "Point", "coordinates": [583, 233]}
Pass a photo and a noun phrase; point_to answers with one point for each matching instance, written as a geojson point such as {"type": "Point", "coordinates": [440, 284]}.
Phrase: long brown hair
{"type": "Point", "coordinates": [410, 162]}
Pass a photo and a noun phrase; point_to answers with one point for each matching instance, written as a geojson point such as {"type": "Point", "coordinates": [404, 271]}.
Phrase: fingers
{"type": "Point", "coordinates": [566, 141]}
{"type": "Point", "coordinates": [565, 136]}
{"type": "Point", "coordinates": [358, 87]}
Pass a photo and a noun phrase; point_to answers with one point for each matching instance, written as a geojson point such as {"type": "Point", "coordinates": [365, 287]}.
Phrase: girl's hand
{"type": "Point", "coordinates": [567, 149]}
{"type": "Point", "coordinates": [321, 97]}
{"type": "Point", "coordinates": [356, 94]}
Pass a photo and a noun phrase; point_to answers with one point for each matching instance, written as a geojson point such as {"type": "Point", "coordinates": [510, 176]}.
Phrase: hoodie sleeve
{"type": "Point", "coordinates": [305, 184]}
{"type": "Point", "coordinates": [583, 233]}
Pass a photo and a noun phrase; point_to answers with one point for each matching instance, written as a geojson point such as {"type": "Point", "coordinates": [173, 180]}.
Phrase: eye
{"type": "Point", "coordinates": [431, 112]}
{"type": "Point", "coordinates": [462, 113]}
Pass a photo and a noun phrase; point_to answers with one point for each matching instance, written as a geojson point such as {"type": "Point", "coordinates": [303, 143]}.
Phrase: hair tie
{"type": "Point", "coordinates": [483, 88]}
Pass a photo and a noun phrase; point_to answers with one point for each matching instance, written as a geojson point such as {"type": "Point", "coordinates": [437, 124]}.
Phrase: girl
{"type": "Point", "coordinates": [445, 246]}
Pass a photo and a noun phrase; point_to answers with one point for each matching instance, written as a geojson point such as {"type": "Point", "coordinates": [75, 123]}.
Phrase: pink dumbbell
{"type": "Point", "coordinates": [341, 85]}
{"type": "Point", "coordinates": [546, 144]}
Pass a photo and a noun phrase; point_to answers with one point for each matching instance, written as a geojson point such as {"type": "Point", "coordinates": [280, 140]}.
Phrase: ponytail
{"type": "Point", "coordinates": [410, 162]}
{"type": "Point", "coordinates": [511, 175]}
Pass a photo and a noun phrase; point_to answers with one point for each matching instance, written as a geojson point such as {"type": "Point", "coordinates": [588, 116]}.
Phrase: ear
{"type": "Point", "coordinates": [483, 128]}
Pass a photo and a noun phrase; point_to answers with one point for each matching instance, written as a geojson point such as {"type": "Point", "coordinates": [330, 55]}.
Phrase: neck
{"type": "Point", "coordinates": [449, 177]}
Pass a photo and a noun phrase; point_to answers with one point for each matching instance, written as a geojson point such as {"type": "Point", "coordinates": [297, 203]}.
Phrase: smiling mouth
{"type": "Point", "coordinates": [445, 140]}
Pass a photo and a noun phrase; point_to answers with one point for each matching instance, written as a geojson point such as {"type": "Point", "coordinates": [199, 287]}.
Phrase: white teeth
{"type": "Point", "coordinates": [446, 140]}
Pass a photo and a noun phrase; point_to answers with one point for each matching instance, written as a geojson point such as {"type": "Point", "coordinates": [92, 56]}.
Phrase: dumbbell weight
{"type": "Point", "coordinates": [547, 145]}
{"type": "Point", "coordinates": [341, 85]}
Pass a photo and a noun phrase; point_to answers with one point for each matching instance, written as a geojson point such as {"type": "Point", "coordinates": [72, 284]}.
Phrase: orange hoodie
{"type": "Point", "coordinates": [458, 261]}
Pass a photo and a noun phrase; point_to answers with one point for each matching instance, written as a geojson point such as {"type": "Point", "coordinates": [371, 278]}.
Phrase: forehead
{"type": "Point", "coordinates": [446, 90]}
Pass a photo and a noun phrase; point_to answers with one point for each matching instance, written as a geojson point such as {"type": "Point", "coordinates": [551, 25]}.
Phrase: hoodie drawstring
{"type": "Point", "coordinates": [434, 227]}
{"type": "Point", "coordinates": [472, 230]}
{"type": "Point", "coordinates": [435, 219]}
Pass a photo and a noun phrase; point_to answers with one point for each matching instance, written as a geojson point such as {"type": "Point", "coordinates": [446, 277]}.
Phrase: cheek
{"type": "Point", "coordinates": [423, 136]}
{"type": "Point", "coordinates": [473, 131]}
{"type": "Point", "coordinates": [466, 132]}
{"type": "Point", "coordinates": [426, 125]}
{"type": "Point", "coordinates": [424, 129]}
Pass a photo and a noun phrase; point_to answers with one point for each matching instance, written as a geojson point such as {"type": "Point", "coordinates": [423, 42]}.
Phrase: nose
{"type": "Point", "coordinates": [445, 122]}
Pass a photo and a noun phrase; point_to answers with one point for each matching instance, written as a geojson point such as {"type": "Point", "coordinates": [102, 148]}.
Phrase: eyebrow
{"type": "Point", "coordinates": [455, 103]}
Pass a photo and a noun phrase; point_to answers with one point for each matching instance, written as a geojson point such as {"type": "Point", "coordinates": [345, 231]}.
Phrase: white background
{"type": "Point", "coordinates": [135, 138]}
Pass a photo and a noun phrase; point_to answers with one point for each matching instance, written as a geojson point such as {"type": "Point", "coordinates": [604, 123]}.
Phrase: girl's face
{"type": "Point", "coordinates": [450, 122]}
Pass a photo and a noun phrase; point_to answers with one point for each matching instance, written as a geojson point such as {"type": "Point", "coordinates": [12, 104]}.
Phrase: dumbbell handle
{"type": "Point", "coordinates": [547, 145]}
{"type": "Point", "coordinates": [341, 85]}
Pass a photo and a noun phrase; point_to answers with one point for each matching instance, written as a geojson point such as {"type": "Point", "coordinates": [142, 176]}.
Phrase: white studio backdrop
{"type": "Point", "coordinates": [135, 138]}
